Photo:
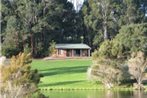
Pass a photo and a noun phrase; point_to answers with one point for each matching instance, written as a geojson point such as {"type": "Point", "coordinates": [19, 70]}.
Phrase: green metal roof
{"type": "Point", "coordinates": [72, 46]}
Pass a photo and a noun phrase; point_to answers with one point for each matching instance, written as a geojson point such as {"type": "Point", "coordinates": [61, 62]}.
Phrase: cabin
{"type": "Point", "coordinates": [72, 50]}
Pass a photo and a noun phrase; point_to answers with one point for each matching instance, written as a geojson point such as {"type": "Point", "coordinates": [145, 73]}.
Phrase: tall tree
{"type": "Point", "coordinates": [131, 12]}
{"type": "Point", "coordinates": [40, 21]}
{"type": "Point", "coordinates": [103, 8]}
{"type": "Point", "coordinates": [12, 37]}
{"type": "Point", "coordinates": [101, 18]}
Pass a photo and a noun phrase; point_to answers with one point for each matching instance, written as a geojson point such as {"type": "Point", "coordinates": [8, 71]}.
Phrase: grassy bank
{"type": "Point", "coordinates": [64, 74]}
{"type": "Point", "coordinates": [69, 74]}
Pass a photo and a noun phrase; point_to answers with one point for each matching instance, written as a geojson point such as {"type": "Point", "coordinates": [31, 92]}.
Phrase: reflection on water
{"type": "Point", "coordinates": [96, 94]}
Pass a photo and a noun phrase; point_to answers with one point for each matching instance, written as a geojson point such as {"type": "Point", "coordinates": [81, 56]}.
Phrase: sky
{"type": "Point", "coordinates": [77, 4]}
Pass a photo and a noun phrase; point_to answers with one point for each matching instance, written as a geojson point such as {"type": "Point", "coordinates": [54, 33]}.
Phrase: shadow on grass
{"type": "Point", "coordinates": [64, 70]}
{"type": "Point", "coordinates": [59, 83]}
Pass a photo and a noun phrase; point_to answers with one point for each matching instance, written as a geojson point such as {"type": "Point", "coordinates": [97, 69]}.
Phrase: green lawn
{"type": "Point", "coordinates": [64, 74]}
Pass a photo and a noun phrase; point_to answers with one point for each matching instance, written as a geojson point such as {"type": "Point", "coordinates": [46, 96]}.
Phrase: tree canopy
{"type": "Point", "coordinates": [32, 25]}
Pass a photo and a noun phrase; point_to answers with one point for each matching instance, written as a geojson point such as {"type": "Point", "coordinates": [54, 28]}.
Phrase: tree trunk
{"type": "Point", "coordinates": [23, 41]}
{"type": "Point", "coordinates": [32, 44]}
{"type": "Point", "coordinates": [139, 84]}
{"type": "Point", "coordinates": [105, 31]}
{"type": "Point", "coordinates": [108, 85]}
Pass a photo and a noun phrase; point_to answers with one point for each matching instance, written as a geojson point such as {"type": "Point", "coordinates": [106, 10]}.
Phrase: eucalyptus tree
{"type": "Point", "coordinates": [28, 11]}
{"type": "Point", "coordinates": [11, 42]}
{"type": "Point", "coordinates": [10, 35]}
{"type": "Point", "coordinates": [38, 22]}
{"type": "Point", "coordinates": [131, 38]}
{"type": "Point", "coordinates": [104, 12]}
{"type": "Point", "coordinates": [101, 18]}
{"type": "Point", "coordinates": [132, 12]}
{"type": "Point", "coordinates": [104, 18]}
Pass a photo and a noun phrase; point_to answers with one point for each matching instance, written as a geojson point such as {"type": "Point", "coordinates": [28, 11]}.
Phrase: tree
{"type": "Point", "coordinates": [106, 68]}
{"type": "Point", "coordinates": [132, 38]}
{"type": "Point", "coordinates": [37, 23]}
{"type": "Point", "coordinates": [105, 71]}
{"type": "Point", "coordinates": [18, 80]}
{"type": "Point", "coordinates": [12, 38]}
{"type": "Point", "coordinates": [137, 66]}
{"type": "Point", "coordinates": [132, 12]}
{"type": "Point", "coordinates": [104, 7]}
{"type": "Point", "coordinates": [104, 18]}
{"type": "Point", "coordinates": [101, 19]}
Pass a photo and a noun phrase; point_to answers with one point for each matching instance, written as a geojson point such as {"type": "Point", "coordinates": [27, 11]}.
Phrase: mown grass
{"type": "Point", "coordinates": [68, 74]}
{"type": "Point", "coordinates": [64, 74]}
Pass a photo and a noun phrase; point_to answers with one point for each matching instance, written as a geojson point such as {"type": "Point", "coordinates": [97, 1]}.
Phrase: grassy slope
{"type": "Point", "coordinates": [64, 74]}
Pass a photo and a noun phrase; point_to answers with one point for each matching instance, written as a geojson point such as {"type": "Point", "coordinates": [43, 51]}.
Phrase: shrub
{"type": "Point", "coordinates": [137, 66]}
{"type": "Point", "coordinates": [52, 49]}
{"type": "Point", "coordinates": [18, 80]}
{"type": "Point", "coordinates": [105, 71]}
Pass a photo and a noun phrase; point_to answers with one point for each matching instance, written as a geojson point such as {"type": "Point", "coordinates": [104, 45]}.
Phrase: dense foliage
{"type": "Point", "coordinates": [30, 26]}
{"type": "Point", "coordinates": [106, 71]}
{"type": "Point", "coordinates": [131, 39]}
{"type": "Point", "coordinates": [18, 80]}
{"type": "Point", "coordinates": [116, 28]}
{"type": "Point", "coordinates": [104, 18]}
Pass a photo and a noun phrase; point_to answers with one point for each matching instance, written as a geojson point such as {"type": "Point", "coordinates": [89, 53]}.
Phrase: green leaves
{"type": "Point", "coordinates": [105, 49]}
{"type": "Point", "coordinates": [19, 80]}
{"type": "Point", "coordinates": [106, 71]}
{"type": "Point", "coordinates": [131, 38]}
{"type": "Point", "coordinates": [36, 23]}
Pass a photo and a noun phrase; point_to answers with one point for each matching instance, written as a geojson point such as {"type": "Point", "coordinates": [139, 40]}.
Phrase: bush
{"type": "Point", "coordinates": [11, 45]}
{"type": "Point", "coordinates": [40, 51]}
{"type": "Point", "coordinates": [105, 71]}
{"type": "Point", "coordinates": [137, 65]}
{"type": "Point", "coordinates": [10, 51]}
{"type": "Point", "coordinates": [52, 49]}
{"type": "Point", "coordinates": [18, 80]}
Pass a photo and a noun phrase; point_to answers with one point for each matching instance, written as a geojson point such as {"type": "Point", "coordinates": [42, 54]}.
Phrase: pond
{"type": "Point", "coordinates": [96, 94]}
